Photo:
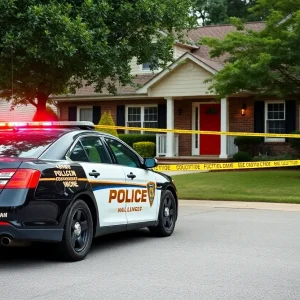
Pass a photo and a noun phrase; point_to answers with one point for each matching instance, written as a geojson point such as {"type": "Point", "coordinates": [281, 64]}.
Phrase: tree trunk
{"type": "Point", "coordinates": [41, 111]}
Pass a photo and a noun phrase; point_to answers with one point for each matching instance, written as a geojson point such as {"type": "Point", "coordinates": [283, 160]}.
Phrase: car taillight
{"type": "Point", "coordinates": [5, 176]}
{"type": "Point", "coordinates": [19, 179]}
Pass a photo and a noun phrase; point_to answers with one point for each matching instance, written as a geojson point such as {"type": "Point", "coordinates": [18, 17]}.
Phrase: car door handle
{"type": "Point", "coordinates": [131, 175]}
{"type": "Point", "coordinates": [94, 173]}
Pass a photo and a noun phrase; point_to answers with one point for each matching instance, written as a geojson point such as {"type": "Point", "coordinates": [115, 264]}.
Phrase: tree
{"type": "Point", "coordinates": [106, 119]}
{"type": "Point", "coordinates": [211, 11]}
{"type": "Point", "coordinates": [49, 115]}
{"type": "Point", "coordinates": [266, 62]}
{"type": "Point", "coordinates": [220, 11]}
{"type": "Point", "coordinates": [56, 46]}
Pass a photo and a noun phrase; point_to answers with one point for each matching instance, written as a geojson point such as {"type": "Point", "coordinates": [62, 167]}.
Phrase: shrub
{"type": "Point", "coordinates": [294, 143]}
{"type": "Point", "coordinates": [249, 144]}
{"type": "Point", "coordinates": [130, 139]}
{"type": "Point", "coordinates": [247, 140]}
{"type": "Point", "coordinates": [106, 119]}
{"type": "Point", "coordinates": [145, 149]}
{"type": "Point", "coordinates": [286, 156]}
{"type": "Point", "coordinates": [241, 157]}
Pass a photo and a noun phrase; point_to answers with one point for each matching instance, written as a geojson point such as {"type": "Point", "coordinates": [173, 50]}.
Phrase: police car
{"type": "Point", "coordinates": [65, 183]}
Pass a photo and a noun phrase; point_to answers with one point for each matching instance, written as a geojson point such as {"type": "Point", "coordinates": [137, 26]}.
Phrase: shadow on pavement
{"type": "Point", "coordinates": [37, 253]}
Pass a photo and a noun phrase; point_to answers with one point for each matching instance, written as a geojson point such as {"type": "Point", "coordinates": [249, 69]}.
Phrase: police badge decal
{"type": "Point", "coordinates": [151, 192]}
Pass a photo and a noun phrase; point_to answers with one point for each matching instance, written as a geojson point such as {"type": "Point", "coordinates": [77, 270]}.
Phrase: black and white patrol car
{"type": "Point", "coordinates": [65, 183]}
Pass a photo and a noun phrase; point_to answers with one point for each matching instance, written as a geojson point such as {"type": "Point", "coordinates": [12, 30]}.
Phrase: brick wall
{"type": "Point", "coordinates": [183, 120]}
{"type": "Point", "coordinates": [106, 106]}
{"type": "Point", "coordinates": [237, 122]}
{"type": "Point", "coordinates": [182, 117]}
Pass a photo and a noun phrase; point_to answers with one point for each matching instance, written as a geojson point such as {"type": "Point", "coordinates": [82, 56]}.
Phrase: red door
{"type": "Point", "coordinates": [210, 120]}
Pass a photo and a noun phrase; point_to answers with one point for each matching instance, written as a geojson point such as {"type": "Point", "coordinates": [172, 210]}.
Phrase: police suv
{"type": "Point", "coordinates": [65, 183]}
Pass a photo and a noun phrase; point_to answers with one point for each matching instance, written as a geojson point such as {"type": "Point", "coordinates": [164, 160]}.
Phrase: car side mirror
{"type": "Point", "coordinates": [150, 163]}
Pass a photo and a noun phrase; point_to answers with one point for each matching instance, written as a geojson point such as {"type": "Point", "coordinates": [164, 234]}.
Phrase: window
{"type": "Point", "coordinates": [26, 143]}
{"type": "Point", "coordinates": [146, 66]}
{"type": "Point", "coordinates": [275, 119]}
{"type": "Point", "coordinates": [95, 150]}
{"type": "Point", "coordinates": [123, 154]}
{"type": "Point", "coordinates": [141, 116]}
{"type": "Point", "coordinates": [85, 114]}
{"type": "Point", "coordinates": [90, 149]}
{"type": "Point", "coordinates": [78, 153]}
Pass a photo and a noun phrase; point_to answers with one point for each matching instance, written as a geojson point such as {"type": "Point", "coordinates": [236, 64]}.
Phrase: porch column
{"type": "Point", "coordinates": [170, 125]}
{"type": "Point", "coordinates": [224, 127]}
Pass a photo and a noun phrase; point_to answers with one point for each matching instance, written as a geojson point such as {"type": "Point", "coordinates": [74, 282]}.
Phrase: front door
{"type": "Point", "coordinates": [210, 120]}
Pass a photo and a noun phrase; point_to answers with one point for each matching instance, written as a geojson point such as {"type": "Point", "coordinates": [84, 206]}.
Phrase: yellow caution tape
{"type": "Point", "coordinates": [274, 135]}
{"type": "Point", "coordinates": [227, 166]}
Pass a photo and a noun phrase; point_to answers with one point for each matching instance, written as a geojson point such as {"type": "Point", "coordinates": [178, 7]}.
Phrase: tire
{"type": "Point", "coordinates": [78, 233]}
{"type": "Point", "coordinates": [166, 216]}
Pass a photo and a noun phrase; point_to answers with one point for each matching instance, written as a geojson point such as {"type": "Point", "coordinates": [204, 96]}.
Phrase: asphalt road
{"type": "Point", "coordinates": [214, 253]}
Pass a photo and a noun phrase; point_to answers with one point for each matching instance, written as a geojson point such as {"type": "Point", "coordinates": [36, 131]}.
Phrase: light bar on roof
{"type": "Point", "coordinates": [47, 124]}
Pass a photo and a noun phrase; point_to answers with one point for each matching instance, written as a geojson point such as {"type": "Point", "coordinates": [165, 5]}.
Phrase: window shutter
{"type": "Point", "coordinates": [162, 116]}
{"type": "Point", "coordinates": [72, 113]}
{"type": "Point", "coordinates": [96, 114]}
{"type": "Point", "coordinates": [259, 117]}
{"type": "Point", "coordinates": [120, 117]}
{"type": "Point", "coordinates": [290, 116]}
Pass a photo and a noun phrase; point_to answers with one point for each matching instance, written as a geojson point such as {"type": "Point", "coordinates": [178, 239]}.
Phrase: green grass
{"type": "Point", "coordinates": [259, 186]}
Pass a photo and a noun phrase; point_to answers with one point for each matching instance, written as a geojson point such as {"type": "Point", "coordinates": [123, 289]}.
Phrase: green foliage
{"type": "Point", "coordinates": [265, 61]}
{"type": "Point", "coordinates": [247, 140]}
{"type": "Point", "coordinates": [106, 119]}
{"type": "Point", "coordinates": [249, 144]}
{"type": "Point", "coordinates": [220, 11]}
{"type": "Point", "coordinates": [54, 47]}
{"type": "Point", "coordinates": [211, 11]}
{"type": "Point", "coordinates": [130, 139]}
{"type": "Point", "coordinates": [241, 156]}
{"type": "Point", "coordinates": [294, 143]}
{"type": "Point", "coordinates": [145, 149]}
{"type": "Point", "coordinates": [286, 156]}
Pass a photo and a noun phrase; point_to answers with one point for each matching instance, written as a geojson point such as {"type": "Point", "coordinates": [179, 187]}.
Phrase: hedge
{"type": "Point", "coordinates": [130, 139]}
{"type": "Point", "coordinates": [145, 149]}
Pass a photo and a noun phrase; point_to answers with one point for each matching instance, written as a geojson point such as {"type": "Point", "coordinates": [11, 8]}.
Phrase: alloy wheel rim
{"type": "Point", "coordinates": [79, 231]}
{"type": "Point", "coordinates": [168, 214]}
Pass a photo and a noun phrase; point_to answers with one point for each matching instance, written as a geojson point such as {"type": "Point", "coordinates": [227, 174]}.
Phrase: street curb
{"type": "Point", "coordinates": [240, 205]}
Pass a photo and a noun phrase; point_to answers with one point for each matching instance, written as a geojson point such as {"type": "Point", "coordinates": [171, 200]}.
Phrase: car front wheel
{"type": "Point", "coordinates": [166, 217]}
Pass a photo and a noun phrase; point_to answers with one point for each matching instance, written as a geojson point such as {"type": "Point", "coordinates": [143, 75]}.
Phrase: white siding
{"type": "Point", "coordinates": [20, 113]}
{"type": "Point", "coordinates": [185, 80]}
{"type": "Point", "coordinates": [179, 51]}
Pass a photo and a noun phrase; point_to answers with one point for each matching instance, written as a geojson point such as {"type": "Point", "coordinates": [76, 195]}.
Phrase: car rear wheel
{"type": "Point", "coordinates": [166, 217]}
{"type": "Point", "coordinates": [78, 233]}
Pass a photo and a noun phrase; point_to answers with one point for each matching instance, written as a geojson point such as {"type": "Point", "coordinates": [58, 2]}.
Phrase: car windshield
{"type": "Point", "coordinates": [26, 143]}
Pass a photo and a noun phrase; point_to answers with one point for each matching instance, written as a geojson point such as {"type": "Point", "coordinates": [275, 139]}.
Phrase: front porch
{"type": "Point", "coordinates": [161, 151]}
{"type": "Point", "coordinates": [188, 106]}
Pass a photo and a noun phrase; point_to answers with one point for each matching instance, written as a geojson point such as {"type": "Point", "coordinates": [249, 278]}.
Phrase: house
{"type": "Point", "coordinates": [177, 98]}
{"type": "Point", "coordinates": [20, 113]}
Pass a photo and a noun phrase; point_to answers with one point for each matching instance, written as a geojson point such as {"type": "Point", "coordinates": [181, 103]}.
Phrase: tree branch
{"type": "Point", "coordinates": [32, 102]}
{"type": "Point", "coordinates": [288, 76]}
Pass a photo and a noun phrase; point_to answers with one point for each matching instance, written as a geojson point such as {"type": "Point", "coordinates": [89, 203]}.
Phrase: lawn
{"type": "Point", "coordinates": [263, 186]}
